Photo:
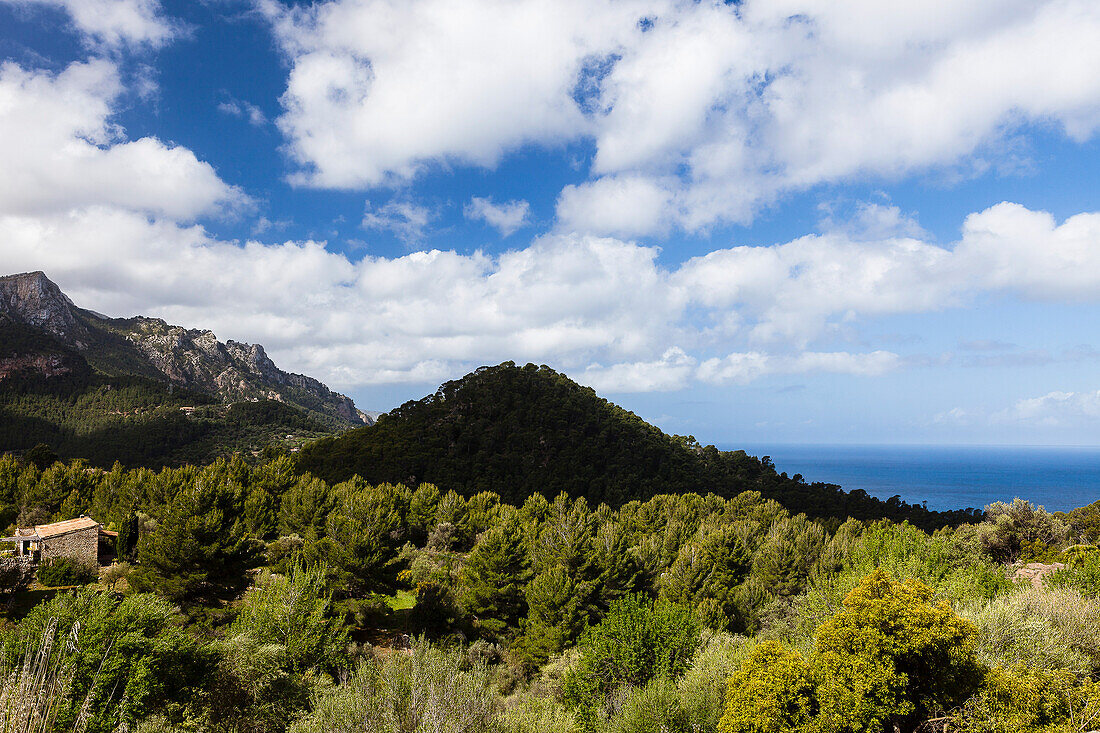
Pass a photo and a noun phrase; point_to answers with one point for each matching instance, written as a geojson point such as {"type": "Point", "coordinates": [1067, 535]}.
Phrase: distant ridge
{"type": "Point", "coordinates": [523, 430]}
{"type": "Point", "coordinates": [141, 391]}
{"type": "Point", "coordinates": [149, 347]}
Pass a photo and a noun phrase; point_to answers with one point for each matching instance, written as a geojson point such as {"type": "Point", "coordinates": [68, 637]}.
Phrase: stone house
{"type": "Point", "coordinates": [78, 539]}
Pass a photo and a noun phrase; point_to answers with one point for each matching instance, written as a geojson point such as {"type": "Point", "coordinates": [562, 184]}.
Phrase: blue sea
{"type": "Point", "coordinates": [955, 477]}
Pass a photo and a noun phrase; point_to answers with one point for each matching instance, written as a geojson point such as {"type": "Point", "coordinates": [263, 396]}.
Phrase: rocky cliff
{"type": "Point", "coordinates": [34, 300]}
{"type": "Point", "coordinates": [150, 347]}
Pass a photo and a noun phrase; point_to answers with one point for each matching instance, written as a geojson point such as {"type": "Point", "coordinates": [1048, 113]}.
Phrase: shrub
{"type": "Point", "coordinates": [534, 713]}
{"type": "Point", "coordinates": [64, 571]}
{"type": "Point", "coordinates": [112, 575]}
{"type": "Point", "coordinates": [428, 690]}
{"type": "Point", "coordinates": [772, 692]}
{"type": "Point", "coordinates": [636, 642]}
{"type": "Point", "coordinates": [128, 658]}
{"type": "Point", "coordinates": [1022, 699]}
{"type": "Point", "coordinates": [1016, 530]}
{"type": "Point", "coordinates": [1039, 628]}
{"type": "Point", "coordinates": [1082, 574]}
{"type": "Point", "coordinates": [655, 707]}
{"type": "Point", "coordinates": [889, 659]}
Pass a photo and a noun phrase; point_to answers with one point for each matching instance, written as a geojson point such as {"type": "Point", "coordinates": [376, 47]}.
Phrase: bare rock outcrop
{"type": "Point", "coordinates": [1034, 572]}
{"type": "Point", "coordinates": [34, 300]}
{"type": "Point", "coordinates": [191, 358]}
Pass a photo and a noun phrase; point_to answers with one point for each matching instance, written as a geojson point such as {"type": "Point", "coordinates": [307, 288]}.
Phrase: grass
{"type": "Point", "coordinates": [401, 600]}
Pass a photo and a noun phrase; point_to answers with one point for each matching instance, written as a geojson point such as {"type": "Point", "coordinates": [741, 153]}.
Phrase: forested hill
{"type": "Point", "coordinates": [522, 430]}
{"type": "Point", "coordinates": [51, 395]}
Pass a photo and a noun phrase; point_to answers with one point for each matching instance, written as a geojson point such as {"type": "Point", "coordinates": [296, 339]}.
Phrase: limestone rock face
{"type": "Point", "coordinates": [34, 300]}
{"type": "Point", "coordinates": [48, 365]}
{"type": "Point", "coordinates": [195, 359]}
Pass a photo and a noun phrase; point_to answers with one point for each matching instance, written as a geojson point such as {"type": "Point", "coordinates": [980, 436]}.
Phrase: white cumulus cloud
{"type": "Point", "coordinates": [1054, 409]}
{"type": "Point", "coordinates": [699, 112]}
{"type": "Point", "coordinates": [605, 310]}
{"type": "Point", "coordinates": [407, 220]}
{"type": "Point", "coordinates": [507, 217]}
{"type": "Point", "coordinates": [61, 150]}
{"type": "Point", "coordinates": [113, 23]}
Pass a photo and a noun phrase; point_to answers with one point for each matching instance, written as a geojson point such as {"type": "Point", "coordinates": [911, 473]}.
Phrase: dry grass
{"type": "Point", "coordinates": [33, 693]}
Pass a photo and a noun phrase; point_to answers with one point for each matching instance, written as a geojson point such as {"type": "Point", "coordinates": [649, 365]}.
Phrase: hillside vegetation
{"type": "Point", "coordinates": [518, 431]}
{"type": "Point", "coordinates": [107, 414]}
{"type": "Point", "coordinates": [253, 599]}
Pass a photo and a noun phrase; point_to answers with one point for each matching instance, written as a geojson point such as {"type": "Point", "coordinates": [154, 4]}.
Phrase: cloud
{"type": "Point", "coordinates": [674, 370]}
{"type": "Point", "coordinates": [404, 218]}
{"type": "Point", "coordinates": [741, 368]}
{"type": "Point", "coordinates": [113, 23]}
{"type": "Point", "coordinates": [507, 217]}
{"type": "Point", "coordinates": [412, 318]}
{"type": "Point", "coordinates": [381, 89]}
{"type": "Point", "coordinates": [871, 221]}
{"type": "Point", "coordinates": [603, 309]}
{"type": "Point", "coordinates": [1054, 409]}
{"type": "Point", "coordinates": [623, 206]}
{"type": "Point", "coordinates": [245, 110]}
{"type": "Point", "coordinates": [701, 114]}
{"type": "Point", "coordinates": [61, 151]}
{"type": "Point", "coordinates": [986, 345]}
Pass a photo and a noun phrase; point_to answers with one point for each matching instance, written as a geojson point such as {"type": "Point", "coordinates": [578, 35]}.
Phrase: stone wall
{"type": "Point", "coordinates": [82, 545]}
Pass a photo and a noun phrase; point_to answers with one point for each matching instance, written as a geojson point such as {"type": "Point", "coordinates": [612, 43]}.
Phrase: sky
{"type": "Point", "coordinates": [772, 221]}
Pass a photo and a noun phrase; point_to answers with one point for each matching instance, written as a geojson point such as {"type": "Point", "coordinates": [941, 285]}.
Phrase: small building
{"type": "Point", "coordinates": [78, 539]}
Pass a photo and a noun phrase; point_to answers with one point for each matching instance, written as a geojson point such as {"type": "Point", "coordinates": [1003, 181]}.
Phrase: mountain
{"type": "Point", "coordinates": [520, 430]}
{"type": "Point", "coordinates": [149, 347]}
{"type": "Point", "coordinates": [142, 390]}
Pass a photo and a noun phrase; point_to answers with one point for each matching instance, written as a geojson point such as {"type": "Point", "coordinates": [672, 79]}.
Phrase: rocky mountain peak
{"type": "Point", "coordinates": [153, 348]}
{"type": "Point", "coordinates": [33, 299]}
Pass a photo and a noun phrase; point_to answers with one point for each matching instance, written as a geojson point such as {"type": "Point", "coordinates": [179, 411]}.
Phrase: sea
{"type": "Point", "coordinates": [948, 477]}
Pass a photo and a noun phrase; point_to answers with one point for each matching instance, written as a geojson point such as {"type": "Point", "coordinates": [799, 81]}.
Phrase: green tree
{"type": "Point", "coordinates": [200, 549]}
{"type": "Point", "coordinates": [491, 586]}
{"type": "Point", "coordinates": [555, 615]}
{"type": "Point", "coordinates": [790, 550]}
{"type": "Point", "coordinates": [711, 566]}
{"type": "Point", "coordinates": [292, 611]}
{"type": "Point", "coordinates": [260, 519]}
{"type": "Point", "coordinates": [639, 640]}
{"type": "Point", "coordinates": [367, 532]}
{"type": "Point", "coordinates": [127, 540]}
{"type": "Point", "coordinates": [305, 507]}
{"type": "Point", "coordinates": [423, 506]}
{"type": "Point", "coordinates": [40, 456]}
{"type": "Point", "coordinates": [273, 656]}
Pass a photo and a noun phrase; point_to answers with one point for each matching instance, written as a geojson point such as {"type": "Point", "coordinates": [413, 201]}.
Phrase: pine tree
{"type": "Point", "coordinates": [127, 539]}
{"type": "Point", "coordinates": [305, 507]}
{"type": "Point", "coordinates": [493, 580]}
{"type": "Point", "coordinates": [367, 529]}
{"type": "Point", "coordinates": [199, 550]}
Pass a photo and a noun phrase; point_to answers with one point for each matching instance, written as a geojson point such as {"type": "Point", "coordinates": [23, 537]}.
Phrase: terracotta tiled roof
{"type": "Point", "coordinates": [44, 531]}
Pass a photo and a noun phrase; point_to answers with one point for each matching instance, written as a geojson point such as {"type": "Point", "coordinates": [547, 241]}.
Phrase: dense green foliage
{"type": "Point", "coordinates": [261, 599]}
{"type": "Point", "coordinates": [517, 431]}
{"type": "Point", "coordinates": [120, 411]}
{"type": "Point", "coordinates": [130, 657]}
{"type": "Point", "coordinates": [64, 571]}
{"type": "Point", "coordinates": [637, 641]}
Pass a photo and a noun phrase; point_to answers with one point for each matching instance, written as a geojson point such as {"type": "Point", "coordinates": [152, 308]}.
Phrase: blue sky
{"type": "Point", "coordinates": [780, 221]}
